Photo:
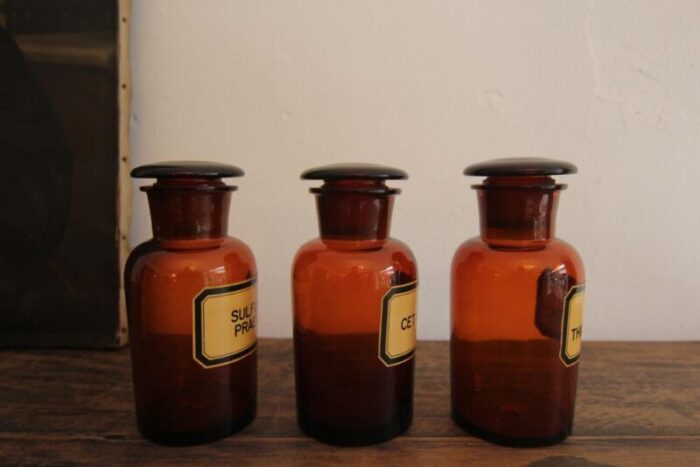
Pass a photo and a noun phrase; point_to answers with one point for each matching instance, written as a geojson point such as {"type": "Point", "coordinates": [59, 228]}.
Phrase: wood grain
{"type": "Point", "coordinates": [639, 403]}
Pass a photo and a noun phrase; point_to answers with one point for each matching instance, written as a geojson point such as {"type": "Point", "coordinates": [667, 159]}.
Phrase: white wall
{"type": "Point", "coordinates": [279, 86]}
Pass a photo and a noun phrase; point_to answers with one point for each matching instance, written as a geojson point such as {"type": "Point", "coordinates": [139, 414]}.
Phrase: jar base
{"type": "Point", "coordinates": [361, 437]}
{"type": "Point", "coordinates": [201, 437]}
{"type": "Point", "coordinates": [507, 440]}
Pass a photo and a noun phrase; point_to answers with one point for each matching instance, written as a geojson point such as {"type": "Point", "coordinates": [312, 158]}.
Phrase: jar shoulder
{"type": "Point", "coordinates": [317, 246]}
{"type": "Point", "coordinates": [475, 254]}
{"type": "Point", "coordinates": [138, 257]}
{"type": "Point", "coordinates": [236, 246]}
{"type": "Point", "coordinates": [231, 254]}
{"type": "Point", "coordinates": [392, 256]}
{"type": "Point", "coordinates": [401, 248]}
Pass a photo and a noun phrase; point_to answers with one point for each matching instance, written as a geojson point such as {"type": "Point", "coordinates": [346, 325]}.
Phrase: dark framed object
{"type": "Point", "coordinates": [64, 106]}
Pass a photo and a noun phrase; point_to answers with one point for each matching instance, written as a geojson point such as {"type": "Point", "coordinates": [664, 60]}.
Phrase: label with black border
{"type": "Point", "coordinates": [225, 323]}
{"type": "Point", "coordinates": [397, 333]}
{"type": "Point", "coordinates": [572, 325]}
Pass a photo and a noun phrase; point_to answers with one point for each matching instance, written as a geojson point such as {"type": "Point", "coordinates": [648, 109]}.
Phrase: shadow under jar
{"type": "Point", "coordinates": [354, 312]}
{"type": "Point", "coordinates": [517, 309]}
{"type": "Point", "coordinates": [191, 299]}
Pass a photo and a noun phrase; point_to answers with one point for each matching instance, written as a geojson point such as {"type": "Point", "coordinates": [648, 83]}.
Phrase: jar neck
{"type": "Point", "coordinates": [518, 212]}
{"type": "Point", "coordinates": [189, 213]}
{"type": "Point", "coordinates": [354, 213]}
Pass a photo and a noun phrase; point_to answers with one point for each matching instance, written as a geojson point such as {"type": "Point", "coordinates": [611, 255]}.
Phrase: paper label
{"type": "Point", "coordinates": [225, 322]}
{"type": "Point", "coordinates": [572, 326]}
{"type": "Point", "coordinates": [397, 335]}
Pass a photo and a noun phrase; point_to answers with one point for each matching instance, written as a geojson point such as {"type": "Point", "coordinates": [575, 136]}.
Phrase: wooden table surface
{"type": "Point", "coordinates": [638, 404]}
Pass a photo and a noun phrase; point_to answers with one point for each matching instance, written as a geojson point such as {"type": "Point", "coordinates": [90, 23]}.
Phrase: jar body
{"type": "Point", "coordinates": [346, 394]}
{"type": "Point", "coordinates": [509, 382]}
{"type": "Point", "coordinates": [179, 400]}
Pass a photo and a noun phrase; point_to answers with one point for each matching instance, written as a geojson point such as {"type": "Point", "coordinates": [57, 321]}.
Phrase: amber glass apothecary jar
{"type": "Point", "coordinates": [191, 301]}
{"type": "Point", "coordinates": [354, 312]}
{"type": "Point", "coordinates": [517, 306]}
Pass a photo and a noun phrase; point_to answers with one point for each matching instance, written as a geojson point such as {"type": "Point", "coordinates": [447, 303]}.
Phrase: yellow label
{"type": "Point", "coordinates": [572, 326]}
{"type": "Point", "coordinates": [397, 336]}
{"type": "Point", "coordinates": [225, 323]}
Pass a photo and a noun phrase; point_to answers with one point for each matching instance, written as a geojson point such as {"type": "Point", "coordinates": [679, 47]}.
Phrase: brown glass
{"type": "Point", "coordinates": [345, 394]}
{"type": "Point", "coordinates": [509, 385]}
{"type": "Point", "coordinates": [178, 402]}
